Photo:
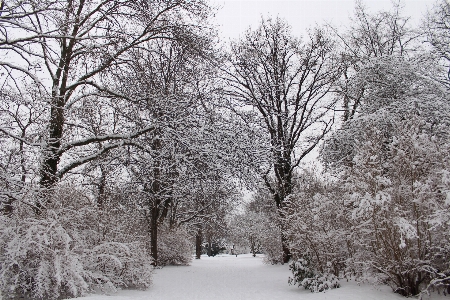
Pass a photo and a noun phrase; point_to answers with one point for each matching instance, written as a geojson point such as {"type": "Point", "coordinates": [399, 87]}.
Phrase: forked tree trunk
{"type": "Point", "coordinates": [60, 94]}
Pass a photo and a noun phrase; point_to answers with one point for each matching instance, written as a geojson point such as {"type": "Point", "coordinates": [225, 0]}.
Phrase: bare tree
{"type": "Point", "coordinates": [22, 119]}
{"type": "Point", "coordinates": [287, 83]}
{"type": "Point", "coordinates": [64, 48]}
{"type": "Point", "coordinates": [179, 160]}
{"type": "Point", "coordinates": [371, 36]}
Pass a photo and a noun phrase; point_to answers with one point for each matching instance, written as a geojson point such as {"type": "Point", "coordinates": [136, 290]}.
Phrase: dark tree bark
{"type": "Point", "coordinates": [198, 244]}
{"type": "Point", "coordinates": [209, 247]}
{"type": "Point", "coordinates": [156, 201]}
{"type": "Point", "coordinates": [154, 233]}
{"type": "Point", "coordinates": [101, 188]}
{"type": "Point", "coordinates": [7, 206]}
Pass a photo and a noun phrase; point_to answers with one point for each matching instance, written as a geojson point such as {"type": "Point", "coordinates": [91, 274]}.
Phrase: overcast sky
{"type": "Point", "coordinates": [236, 16]}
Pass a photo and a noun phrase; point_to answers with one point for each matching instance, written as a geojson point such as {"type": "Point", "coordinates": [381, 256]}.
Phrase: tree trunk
{"type": "Point", "coordinates": [253, 246]}
{"type": "Point", "coordinates": [154, 234]}
{"type": "Point", "coordinates": [156, 201]}
{"type": "Point", "coordinates": [52, 157]}
{"type": "Point", "coordinates": [60, 94]}
{"type": "Point", "coordinates": [286, 251]}
{"type": "Point", "coordinates": [284, 240]}
{"type": "Point", "coordinates": [209, 248]}
{"type": "Point", "coordinates": [7, 207]}
{"type": "Point", "coordinates": [198, 244]}
{"type": "Point", "coordinates": [49, 165]}
{"type": "Point", "coordinates": [101, 188]}
{"type": "Point", "coordinates": [283, 190]}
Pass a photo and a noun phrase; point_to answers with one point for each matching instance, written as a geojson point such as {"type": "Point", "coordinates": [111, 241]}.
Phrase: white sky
{"type": "Point", "coordinates": [236, 16]}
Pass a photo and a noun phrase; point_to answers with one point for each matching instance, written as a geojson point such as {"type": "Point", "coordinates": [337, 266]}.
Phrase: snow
{"type": "Point", "coordinates": [242, 277]}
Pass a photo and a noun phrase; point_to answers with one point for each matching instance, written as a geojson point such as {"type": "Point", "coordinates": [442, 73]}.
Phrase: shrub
{"type": "Point", "coordinates": [320, 283]}
{"type": "Point", "coordinates": [55, 255]}
{"type": "Point", "coordinates": [40, 258]}
{"type": "Point", "coordinates": [271, 245]}
{"type": "Point", "coordinates": [114, 264]}
{"type": "Point", "coordinates": [175, 247]}
{"type": "Point", "coordinates": [303, 275]}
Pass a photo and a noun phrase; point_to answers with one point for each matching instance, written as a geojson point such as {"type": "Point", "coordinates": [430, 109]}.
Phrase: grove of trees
{"type": "Point", "coordinates": [127, 134]}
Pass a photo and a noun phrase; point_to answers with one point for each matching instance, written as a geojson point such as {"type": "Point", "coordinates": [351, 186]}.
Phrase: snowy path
{"type": "Point", "coordinates": [234, 278]}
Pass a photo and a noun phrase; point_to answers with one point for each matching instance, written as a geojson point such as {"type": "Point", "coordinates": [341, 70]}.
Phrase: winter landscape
{"type": "Point", "coordinates": [146, 154]}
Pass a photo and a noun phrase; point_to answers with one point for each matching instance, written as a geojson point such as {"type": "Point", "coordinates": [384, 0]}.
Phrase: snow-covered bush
{"type": "Point", "coordinates": [271, 244]}
{"type": "Point", "coordinates": [320, 283]}
{"type": "Point", "coordinates": [41, 259]}
{"type": "Point", "coordinates": [317, 224]}
{"type": "Point", "coordinates": [304, 275]}
{"type": "Point", "coordinates": [300, 270]}
{"type": "Point", "coordinates": [390, 160]}
{"type": "Point", "coordinates": [258, 228]}
{"type": "Point", "coordinates": [174, 246]}
{"type": "Point", "coordinates": [397, 205]}
{"type": "Point", "coordinates": [114, 264]}
{"type": "Point", "coordinates": [70, 248]}
{"type": "Point", "coordinates": [248, 230]}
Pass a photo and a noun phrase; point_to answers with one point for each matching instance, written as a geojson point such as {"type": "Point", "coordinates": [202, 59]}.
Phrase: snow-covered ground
{"type": "Point", "coordinates": [243, 277]}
